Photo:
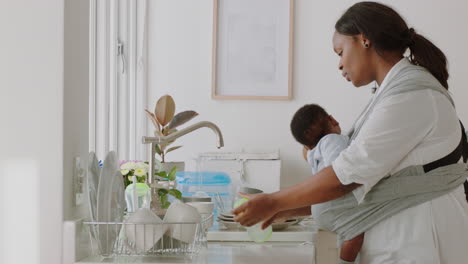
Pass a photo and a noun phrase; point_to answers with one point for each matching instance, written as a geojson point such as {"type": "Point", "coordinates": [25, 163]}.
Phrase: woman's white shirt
{"type": "Point", "coordinates": [412, 128]}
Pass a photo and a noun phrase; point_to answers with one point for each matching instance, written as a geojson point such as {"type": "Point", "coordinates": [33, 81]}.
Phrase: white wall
{"type": "Point", "coordinates": [180, 48]}
{"type": "Point", "coordinates": [31, 112]}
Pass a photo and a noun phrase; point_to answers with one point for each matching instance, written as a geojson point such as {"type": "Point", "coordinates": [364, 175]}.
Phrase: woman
{"type": "Point", "coordinates": [403, 129]}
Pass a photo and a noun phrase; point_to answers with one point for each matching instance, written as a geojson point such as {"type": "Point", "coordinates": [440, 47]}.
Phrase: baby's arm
{"type": "Point", "coordinates": [331, 147]}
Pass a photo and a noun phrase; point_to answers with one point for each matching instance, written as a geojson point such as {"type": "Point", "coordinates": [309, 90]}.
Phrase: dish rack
{"type": "Point", "coordinates": [147, 239]}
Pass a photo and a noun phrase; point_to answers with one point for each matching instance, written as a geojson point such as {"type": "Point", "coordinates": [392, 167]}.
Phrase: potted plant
{"type": "Point", "coordinates": [165, 122]}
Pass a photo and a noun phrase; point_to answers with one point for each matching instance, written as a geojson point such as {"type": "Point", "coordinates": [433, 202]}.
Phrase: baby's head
{"type": "Point", "coordinates": [310, 123]}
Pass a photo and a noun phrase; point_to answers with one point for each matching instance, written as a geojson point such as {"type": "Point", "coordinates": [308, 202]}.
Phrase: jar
{"type": "Point", "coordinates": [143, 196]}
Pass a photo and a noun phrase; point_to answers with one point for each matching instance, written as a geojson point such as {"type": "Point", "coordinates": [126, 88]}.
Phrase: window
{"type": "Point", "coordinates": [118, 78]}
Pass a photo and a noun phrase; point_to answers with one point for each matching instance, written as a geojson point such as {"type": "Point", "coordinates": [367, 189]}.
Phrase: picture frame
{"type": "Point", "coordinates": [252, 49]}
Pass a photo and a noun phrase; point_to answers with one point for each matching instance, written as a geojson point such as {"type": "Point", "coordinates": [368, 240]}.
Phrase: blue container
{"type": "Point", "coordinates": [210, 182]}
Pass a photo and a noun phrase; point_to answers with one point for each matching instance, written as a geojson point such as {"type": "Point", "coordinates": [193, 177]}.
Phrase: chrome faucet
{"type": "Point", "coordinates": [166, 139]}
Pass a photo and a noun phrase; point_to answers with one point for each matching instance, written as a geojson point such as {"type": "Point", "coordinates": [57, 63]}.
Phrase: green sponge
{"type": "Point", "coordinates": [240, 201]}
{"type": "Point", "coordinates": [255, 232]}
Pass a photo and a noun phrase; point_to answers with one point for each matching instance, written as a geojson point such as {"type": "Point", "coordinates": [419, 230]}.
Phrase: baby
{"type": "Point", "coordinates": [320, 134]}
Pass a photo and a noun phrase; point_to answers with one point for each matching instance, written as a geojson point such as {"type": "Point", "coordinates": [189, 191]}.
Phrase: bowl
{"type": "Point", "coordinates": [203, 207]}
{"type": "Point", "coordinates": [231, 225]}
{"type": "Point", "coordinates": [182, 220]}
{"type": "Point", "coordinates": [206, 210]}
{"type": "Point", "coordinates": [144, 229]}
{"type": "Point", "coordinates": [193, 199]}
{"type": "Point", "coordinates": [250, 190]}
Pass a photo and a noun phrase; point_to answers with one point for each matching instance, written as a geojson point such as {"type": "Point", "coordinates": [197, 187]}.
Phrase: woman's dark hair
{"type": "Point", "coordinates": [309, 124]}
{"type": "Point", "coordinates": [387, 31]}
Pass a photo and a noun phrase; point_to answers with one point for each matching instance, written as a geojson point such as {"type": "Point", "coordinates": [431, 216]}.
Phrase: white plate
{"type": "Point", "coordinates": [225, 218]}
{"type": "Point", "coordinates": [226, 214]}
{"type": "Point", "coordinates": [92, 183]}
{"type": "Point", "coordinates": [231, 224]}
{"type": "Point", "coordinates": [110, 202]}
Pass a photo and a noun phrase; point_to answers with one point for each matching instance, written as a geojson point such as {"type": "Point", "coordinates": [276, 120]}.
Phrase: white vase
{"type": "Point", "coordinates": [156, 205]}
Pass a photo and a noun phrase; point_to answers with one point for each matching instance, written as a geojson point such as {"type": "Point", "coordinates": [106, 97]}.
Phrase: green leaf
{"type": "Point", "coordinates": [173, 148]}
{"type": "Point", "coordinates": [158, 149]}
{"type": "Point", "coordinates": [141, 179]}
{"type": "Point", "coordinates": [182, 118]}
{"type": "Point", "coordinates": [172, 174]}
{"type": "Point", "coordinates": [176, 193]}
{"type": "Point", "coordinates": [164, 200]}
{"type": "Point", "coordinates": [162, 174]}
{"type": "Point", "coordinates": [127, 181]}
{"type": "Point", "coordinates": [165, 204]}
{"type": "Point", "coordinates": [162, 193]}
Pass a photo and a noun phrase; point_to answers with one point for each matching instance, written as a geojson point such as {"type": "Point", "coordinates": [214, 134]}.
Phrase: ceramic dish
{"type": "Point", "coordinates": [220, 217]}
{"type": "Point", "coordinates": [92, 184]}
{"type": "Point", "coordinates": [184, 214]}
{"type": "Point", "coordinates": [230, 217]}
{"type": "Point", "coordinates": [250, 190]}
{"type": "Point", "coordinates": [225, 220]}
{"type": "Point", "coordinates": [144, 235]}
{"type": "Point", "coordinates": [231, 225]}
{"type": "Point", "coordinates": [110, 202]}
{"type": "Point", "coordinates": [227, 215]}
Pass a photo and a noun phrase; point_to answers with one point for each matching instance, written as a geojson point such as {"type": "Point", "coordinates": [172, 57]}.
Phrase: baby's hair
{"type": "Point", "coordinates": [309, 124]}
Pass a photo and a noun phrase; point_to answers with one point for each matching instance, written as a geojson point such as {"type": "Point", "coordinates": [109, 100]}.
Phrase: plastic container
{"type": "Point", "coordinates": [143, 195]}
{"type": "Point", "coordinates": [214, 184]}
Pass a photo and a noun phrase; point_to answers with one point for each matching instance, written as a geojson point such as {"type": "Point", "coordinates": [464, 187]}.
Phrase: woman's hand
{"type": "Point", "coordinates": [259, 208]}
{"type": "Point", "coordinates": [322, 187]}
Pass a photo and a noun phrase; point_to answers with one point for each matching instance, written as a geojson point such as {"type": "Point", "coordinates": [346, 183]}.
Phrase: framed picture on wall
{"type": "Point", "coordinates": [252, 49]}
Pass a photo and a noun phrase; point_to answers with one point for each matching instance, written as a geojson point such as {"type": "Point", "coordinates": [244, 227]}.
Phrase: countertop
{"type": "Point", "coordinates": [294, 245]}
{"type": "Point", "coordinates": [229, 253]}
{"type": "Point", "coordinates": [294, 233]}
